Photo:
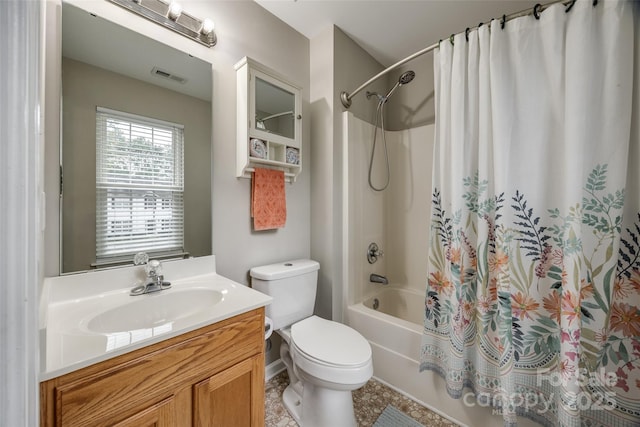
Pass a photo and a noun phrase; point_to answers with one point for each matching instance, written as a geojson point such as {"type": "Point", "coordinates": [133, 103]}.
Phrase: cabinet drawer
{"type": "Point", "coordinates": [112, 391]}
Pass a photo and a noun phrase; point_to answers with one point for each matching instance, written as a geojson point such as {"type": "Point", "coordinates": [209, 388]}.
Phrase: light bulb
{"type": "Point", "coordinates": [175, 9]}
{"type": "Point", "coordinates": [207, 26]}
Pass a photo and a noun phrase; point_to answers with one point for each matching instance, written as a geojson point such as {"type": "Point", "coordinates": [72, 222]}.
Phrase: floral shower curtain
{"type": "Point", "coordinates": [533, 288]}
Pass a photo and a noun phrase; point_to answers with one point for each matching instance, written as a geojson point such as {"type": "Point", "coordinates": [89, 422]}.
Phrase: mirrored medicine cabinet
{"type": "Point", "coordinates": [271, 108]}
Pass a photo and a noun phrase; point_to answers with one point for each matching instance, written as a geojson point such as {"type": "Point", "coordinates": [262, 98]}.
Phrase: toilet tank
{"type": "Point", "coordinates": [292, 285]}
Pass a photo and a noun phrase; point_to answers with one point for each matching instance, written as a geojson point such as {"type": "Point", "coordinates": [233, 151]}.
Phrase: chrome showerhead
{"type": "Point", "coordinates": [405, 78]}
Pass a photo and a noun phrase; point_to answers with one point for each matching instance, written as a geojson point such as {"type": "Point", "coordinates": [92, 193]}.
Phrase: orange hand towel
{"type": "Point", "coordinates": [268, 201]}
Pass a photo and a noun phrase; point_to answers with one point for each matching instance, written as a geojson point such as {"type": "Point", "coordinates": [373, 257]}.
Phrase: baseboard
{"type": "Point", "coordinates": [273, 369]}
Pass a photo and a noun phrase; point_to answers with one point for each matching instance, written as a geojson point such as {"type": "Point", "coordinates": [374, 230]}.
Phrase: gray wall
{"type": "Point", "coordinates": [243, 29]}
{"type": "Point", "coordinates": [246, 29]}
{"type": "Point", "coordinates": [84, 88]}
{"type": "Point", "coordinates": [339, 64]}
{"type": "Point", "coordinates": [321, 157]}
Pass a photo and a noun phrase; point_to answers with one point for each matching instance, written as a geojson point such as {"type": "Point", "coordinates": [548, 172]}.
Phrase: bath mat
{"type": "Point", "coordinates": [392, 417]}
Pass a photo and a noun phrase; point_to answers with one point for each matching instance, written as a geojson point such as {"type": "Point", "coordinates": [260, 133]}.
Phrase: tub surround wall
{"type": "Point", "coordinates": [397, 219]}
{"type": "Point", "coordinates": [366, 208]}
{"type": "Point", "coordinates": [408, 206]}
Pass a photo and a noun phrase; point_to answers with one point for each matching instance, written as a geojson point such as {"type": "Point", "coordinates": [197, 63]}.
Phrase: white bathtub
{"type": "Point", "coordinates": [403, 304]}
{"type": "Point", "coordinates": [394, 327]}
{"type": "Point", "coordinates": [394, 331]}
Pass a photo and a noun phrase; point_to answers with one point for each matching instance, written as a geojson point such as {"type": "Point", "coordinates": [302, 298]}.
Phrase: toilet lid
{"type": "Point", "coordinates": [330, 342]}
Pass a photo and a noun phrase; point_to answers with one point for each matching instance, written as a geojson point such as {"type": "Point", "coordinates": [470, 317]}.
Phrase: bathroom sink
{"type": "Point", "coordinates": [155, 310]}
{"type": "Point", "coordinates": [91, 317]}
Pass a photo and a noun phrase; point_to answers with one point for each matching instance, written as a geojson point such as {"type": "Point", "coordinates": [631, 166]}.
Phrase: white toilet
{"type": "Point", "coordinates": [325, 360]}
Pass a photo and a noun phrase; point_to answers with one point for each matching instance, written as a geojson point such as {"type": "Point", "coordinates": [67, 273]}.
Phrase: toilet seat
{"type": "Point", "coordinates": [330, 343]}
{"type": "Point", "coordinates": [331, 351]}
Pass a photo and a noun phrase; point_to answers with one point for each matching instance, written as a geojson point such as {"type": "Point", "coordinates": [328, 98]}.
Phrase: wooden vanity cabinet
{"type": "Point", "coordinates": [213, 376]}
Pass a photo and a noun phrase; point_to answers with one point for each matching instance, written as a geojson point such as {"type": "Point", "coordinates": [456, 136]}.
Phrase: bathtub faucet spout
{"type": "Point", "coordinates": [376, 278]}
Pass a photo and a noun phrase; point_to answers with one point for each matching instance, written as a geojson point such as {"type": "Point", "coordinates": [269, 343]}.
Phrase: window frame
{"type": "Point", "coordinates": [139, 187]}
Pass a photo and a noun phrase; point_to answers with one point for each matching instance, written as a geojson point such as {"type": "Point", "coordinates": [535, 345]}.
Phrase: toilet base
{"type": "Point", "coordinates": [293, 403]}
{"type": "Point", "coordinates": [310, 409]}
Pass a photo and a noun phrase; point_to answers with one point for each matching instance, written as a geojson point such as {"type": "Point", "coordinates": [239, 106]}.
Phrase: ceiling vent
{"type": "Point", "coordinates": [167, 75]}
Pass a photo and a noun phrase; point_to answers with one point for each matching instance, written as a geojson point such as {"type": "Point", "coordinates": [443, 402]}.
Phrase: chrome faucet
{"type": "Point", "coordinates": [373, 252]}
{"type": "Point", "coordinates": [154, 281]}
{"type": "Point", "coordinates": [154, 273]}
{"type": "Point", "coordinates": [376, 278]}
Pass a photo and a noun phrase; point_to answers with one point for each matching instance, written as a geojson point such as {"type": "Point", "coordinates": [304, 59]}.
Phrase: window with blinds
{"type": "Point", "coordinates": [139, 185]}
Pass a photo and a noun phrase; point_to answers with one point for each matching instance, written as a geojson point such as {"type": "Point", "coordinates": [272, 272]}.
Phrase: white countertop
{"type": "Point", "coordinates": [75, 338]}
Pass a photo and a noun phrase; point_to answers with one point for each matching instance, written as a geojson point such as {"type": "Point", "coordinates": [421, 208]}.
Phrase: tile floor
{"type": "Point", "coordinates": [369, 402]}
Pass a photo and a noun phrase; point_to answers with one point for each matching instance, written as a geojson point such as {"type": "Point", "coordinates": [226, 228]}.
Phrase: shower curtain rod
{"type": "Point", "coordinates": [537, 9]}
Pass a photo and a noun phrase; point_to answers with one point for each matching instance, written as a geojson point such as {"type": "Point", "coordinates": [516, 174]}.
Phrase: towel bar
{"type": "Point", "coordinates": [288, 176]}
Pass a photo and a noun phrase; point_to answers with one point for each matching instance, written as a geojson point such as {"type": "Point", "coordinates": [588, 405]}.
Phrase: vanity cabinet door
{"type": "Point", "coordinates": [164, 383]}
{"type": "Point", "coordinates": [161, 414]}
{"type": "Point", "coordinates": [232, 398]}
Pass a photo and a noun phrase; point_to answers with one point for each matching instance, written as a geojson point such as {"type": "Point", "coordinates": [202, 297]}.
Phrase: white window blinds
{"type": "Point", "coordinates": [139, 185]}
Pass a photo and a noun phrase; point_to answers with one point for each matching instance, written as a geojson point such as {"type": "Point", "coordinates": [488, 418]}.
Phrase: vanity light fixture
{"type": "Point", "coordinates": [171, 15]}
{"type": "Point", "coordinates": [175, 9]}
{"type": "Point", "coordinates": [207, 27]}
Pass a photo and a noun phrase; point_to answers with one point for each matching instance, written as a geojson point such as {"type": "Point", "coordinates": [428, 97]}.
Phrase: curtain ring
{"type": "Point", "coordinates": [569, 6]}
{"type": "Point", "coordinates": [466, 34]}
{"type": "Point", "coordinates": [503, 21]}
{"type": "Point", "coordinates": [451, 39]}
{"type": "Point", "coordinates": [480, 25]}
{"type": "Point", "coordinates": [536, 11]}
{"type": "Point", "coordinates": [595, 3]}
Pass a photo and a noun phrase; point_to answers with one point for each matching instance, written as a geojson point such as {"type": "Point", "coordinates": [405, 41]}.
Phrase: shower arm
{"type": "Point", "coordinates": [345, 97]}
